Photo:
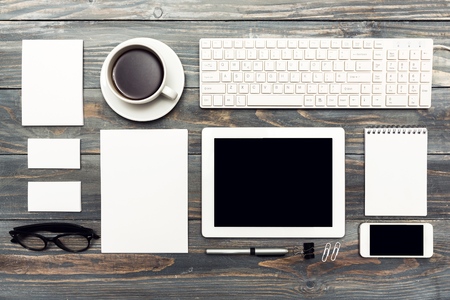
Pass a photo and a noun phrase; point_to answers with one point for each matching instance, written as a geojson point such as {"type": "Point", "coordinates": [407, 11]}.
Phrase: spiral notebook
{"type": "Point", "coordinates": [396, 171]}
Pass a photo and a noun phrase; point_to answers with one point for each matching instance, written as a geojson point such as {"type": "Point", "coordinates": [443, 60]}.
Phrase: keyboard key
{"type": "Point", "coordinates": [363, 65]}
{"type": "Point", "coordinates": [368, 44]}
{"type": "Point", "coordinates": [354, 101]}
{"type": "Point", "coordinates": [217, 100]}
{"type": "Point", "coordinates": [343, 101]}
{"type": "Point", "coordinates": [206, 54]}
{"type": "Point", "coordinates": [377, 101]}
{"type": "Point", "coordinates": [211, 77]}
{"type": "Point", "coordinates": [310, 101]}
{"type": "Point", "coordinates": [359, 77]}
{"type": "Point", "coordinates": [365, 101]}
{"type": "Point", "coordinates": [413, 100]}
{"type": "Point", "coordinates": [331, 101]}
{"type": "Point", "coordinates": [217, 44]}
{"type": "Point", "coordinates": [240, 101]}
{"type": "Point", "coordinates": [361, 54]}
{"type": "Point", "coordinates": [425, 95]}
{"type": "Point", "coordinates": [396, 101]}
{"type": "Point", "coordinates": [209, 66]}
{"type": "Point", "coordinates": [229, 100]}
{"type": "Point", "coordinates": [205, 43]}
{"type": "Point", "coordinates": [265, 100]}
{"type": "Point", "coordinates": [415, 54]}
{"type": "Point", "coordinates": [321, 100]}
{"type": "Point", "coordinates": [206, 100]}
{"type": "Point", "coordinates": [217, 54]}
{"type": "Point", "coordinates": [427, 54]}
{"type": "Point", "coordinates": [392, 54]}
{"type": "Point", "coordinates": [425, 77]}
{"type": "Point", "coordinates": [350, 88]}
{"type": "Point", "coordinates": [213, 88]}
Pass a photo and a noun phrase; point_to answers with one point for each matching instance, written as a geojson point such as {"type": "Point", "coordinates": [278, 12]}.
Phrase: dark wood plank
{"type": "Point", "coordinates": [104, 24]}
{"type": "Point", "coordinates": [15, 177]}
{"type": "Point", "coordinates": [217, 10]}
{"type": "Point", "coordinates": [197, 275]}
{"type": "Point", "coordinates": [187, 114]}
{"type": "Point", "coordinates": [183, 37]}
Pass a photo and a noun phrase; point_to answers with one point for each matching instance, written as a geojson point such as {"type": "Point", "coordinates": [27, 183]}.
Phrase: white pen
{"type": "Point", "coordinates": [250, 251]}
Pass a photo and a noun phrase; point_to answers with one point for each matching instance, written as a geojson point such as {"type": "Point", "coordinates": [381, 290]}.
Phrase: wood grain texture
{"type": "Point", "coordinates": [197, 275]}
{"type": "Point", "coordinates": [187, 114]}
{"type": "Point", "coordinates": [221, 10]}
{"type": "Point", "coordinates": [183, 37]}
{"type": "Point", "coordinates": [102, 24]}
{"type": "Point", "coordinates": [15, 177]}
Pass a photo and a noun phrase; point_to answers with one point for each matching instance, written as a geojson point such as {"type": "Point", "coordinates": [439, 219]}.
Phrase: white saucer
{"type": "Point", "coordinates": [161, 105]}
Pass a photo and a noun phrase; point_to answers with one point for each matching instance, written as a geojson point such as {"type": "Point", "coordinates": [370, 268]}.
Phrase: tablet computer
{"type": "Point", "coordinates": [273, 182]}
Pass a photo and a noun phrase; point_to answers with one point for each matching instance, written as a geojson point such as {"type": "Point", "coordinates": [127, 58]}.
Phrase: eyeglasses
{"type": "Point", "coordinates": [73, 238]}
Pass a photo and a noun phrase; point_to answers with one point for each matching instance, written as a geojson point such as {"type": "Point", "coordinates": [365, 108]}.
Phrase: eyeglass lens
{"type": "Point", "coordinates": [73, 242]}
{"type": "Point", "coordinates": [70, 242]}
{"type": "Point", "coordinates": [30, 241]}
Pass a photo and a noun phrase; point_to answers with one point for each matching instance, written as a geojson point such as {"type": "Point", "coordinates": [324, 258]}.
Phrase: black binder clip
{"type": "Point", "coordinates": [307, 252]}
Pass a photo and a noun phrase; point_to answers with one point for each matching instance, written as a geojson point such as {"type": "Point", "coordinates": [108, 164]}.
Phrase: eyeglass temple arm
{"type": "Point", "coordinates": [57, 227]}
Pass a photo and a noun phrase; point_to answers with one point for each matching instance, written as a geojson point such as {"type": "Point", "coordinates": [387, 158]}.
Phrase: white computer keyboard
{"type": "Point", "coordinates": [315, 73]}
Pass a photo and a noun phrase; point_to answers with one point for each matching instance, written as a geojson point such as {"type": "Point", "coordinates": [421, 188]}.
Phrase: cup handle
{"type": "Point", "coordinates": [169, 93]}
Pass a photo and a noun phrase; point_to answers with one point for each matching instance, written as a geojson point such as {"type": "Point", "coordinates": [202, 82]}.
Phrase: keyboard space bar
{"type": "Point", "coordinates": [274, 100]}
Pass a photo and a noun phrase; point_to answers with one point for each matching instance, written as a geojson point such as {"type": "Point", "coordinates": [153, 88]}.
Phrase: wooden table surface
{"type": "Point", "coordinates": [103, 24]}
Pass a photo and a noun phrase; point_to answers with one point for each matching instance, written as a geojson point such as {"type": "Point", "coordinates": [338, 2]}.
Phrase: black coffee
{"type": "Point", "coordinates": [138, 74]}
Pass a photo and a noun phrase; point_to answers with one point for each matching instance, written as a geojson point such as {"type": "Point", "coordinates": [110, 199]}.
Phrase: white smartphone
{"type": "Point", "coordinates": [396, 240]}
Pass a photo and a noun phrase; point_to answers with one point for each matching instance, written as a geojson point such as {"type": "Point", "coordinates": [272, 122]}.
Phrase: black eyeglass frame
{"type": "Point", "coordinates": [66, 229]}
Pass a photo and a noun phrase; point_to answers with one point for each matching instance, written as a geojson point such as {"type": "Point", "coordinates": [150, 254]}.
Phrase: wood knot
{"type": "Point", "coordinates": [158, 12]}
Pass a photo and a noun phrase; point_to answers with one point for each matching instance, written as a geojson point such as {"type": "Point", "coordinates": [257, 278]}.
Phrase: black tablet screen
{"type": "Point", "coordinates": [273, 182]}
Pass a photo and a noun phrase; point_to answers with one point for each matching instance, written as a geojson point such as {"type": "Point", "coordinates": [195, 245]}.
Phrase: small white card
{"type": "Point", "coordinates": [54, 196]}
{"type": "Point", "coordinates": [54, 153]}
{"type": "Point", "coordinates": [52, 82]}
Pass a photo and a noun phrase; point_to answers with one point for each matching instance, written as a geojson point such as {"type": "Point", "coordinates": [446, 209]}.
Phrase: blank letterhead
{"type": "Point", "coordinates": [144, 191]}
{"type": "Point", "coordinates": [52, 82]}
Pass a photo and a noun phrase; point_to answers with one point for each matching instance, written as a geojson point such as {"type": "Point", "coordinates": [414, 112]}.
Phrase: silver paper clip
{"type": "Point", "coordinates": [326, 252]}
{"type": "Point", "coordinates": [327, 249]}
{"type": "Point", "coordinates": [335, 253]}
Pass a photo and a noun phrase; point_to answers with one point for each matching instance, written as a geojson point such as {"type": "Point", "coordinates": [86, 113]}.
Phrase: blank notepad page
{"type": "Point", "coordinates": [396, 171]}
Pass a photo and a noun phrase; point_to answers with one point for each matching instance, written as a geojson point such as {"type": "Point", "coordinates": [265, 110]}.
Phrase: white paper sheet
{"type": "Point", "coordinates": [54, 153]}
{"type": "Point", "coordinates": [54, 196]}
{"type": "Point", "coordinates": [52, 82]}
{"type": "Point", "coordinates": [144, 188]}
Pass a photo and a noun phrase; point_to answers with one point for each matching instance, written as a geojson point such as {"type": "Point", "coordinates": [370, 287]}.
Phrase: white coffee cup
{"type": "Point", "coordinates": [136, 73]}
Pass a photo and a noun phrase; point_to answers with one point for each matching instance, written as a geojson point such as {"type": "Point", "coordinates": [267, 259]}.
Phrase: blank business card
{"type": "Point", "coordinates": [54, 153]}
{"type": "Point", "coordinates": [54, 196]}
{"type": "Point", "coordinates": [52, 82]}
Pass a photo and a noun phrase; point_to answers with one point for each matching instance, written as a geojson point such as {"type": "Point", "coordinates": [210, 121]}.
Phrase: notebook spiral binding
{"type": "Point", "coordinates": [394, 129]}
